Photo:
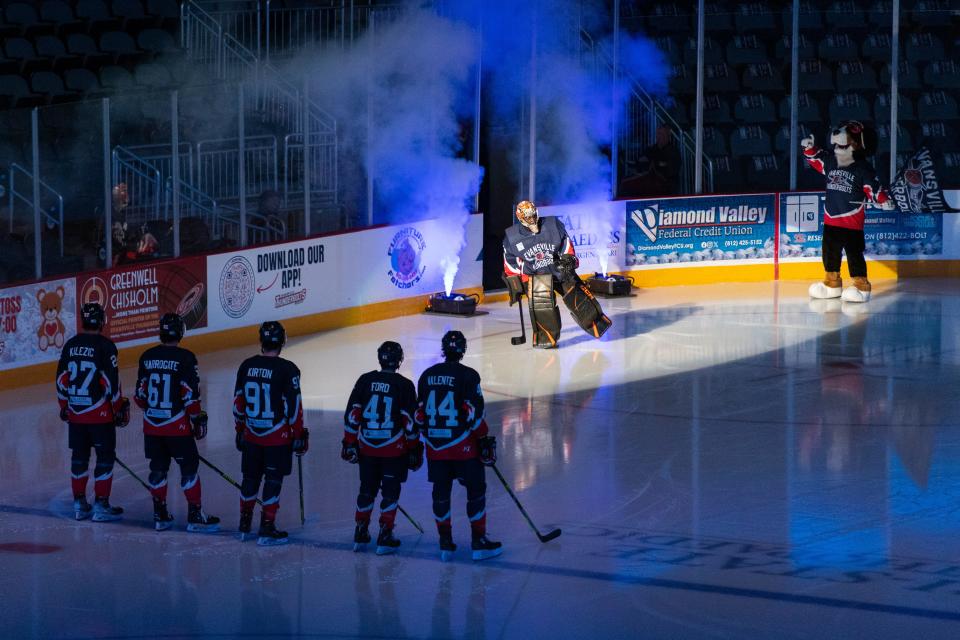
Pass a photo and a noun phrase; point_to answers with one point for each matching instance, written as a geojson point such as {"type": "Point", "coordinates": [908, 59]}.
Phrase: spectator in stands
{"type": "Point", "coordinates": [659, 167]}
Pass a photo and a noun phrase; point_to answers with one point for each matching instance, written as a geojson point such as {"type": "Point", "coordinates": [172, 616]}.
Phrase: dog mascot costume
{"type": "Point", "coordinates": [539, 260]}
{"type": "Point", "coordinates": [851, 181]}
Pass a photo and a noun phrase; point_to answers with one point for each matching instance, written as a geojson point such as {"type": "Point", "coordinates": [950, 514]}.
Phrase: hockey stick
{"type": "Point", "coordinates": [303, 519]}
{"type": "Point", "coordinates": [130, 471]}
{"type": "Point", "coordinates": [225, 476]}
{"type": "Point", "coordinates": [410, 518]}
{"type": "Point", "coordinates": [522, 338]}
{"type": "Point", "coordinates": [543, 538]}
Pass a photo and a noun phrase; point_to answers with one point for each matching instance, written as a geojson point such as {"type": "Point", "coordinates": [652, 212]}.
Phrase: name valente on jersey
{"type": "Point", "coordinates": [173, 365]}
{"type": "Point", "coordinates": [257, 372]}
{"type": "Point", "coordinates": [440, 381]}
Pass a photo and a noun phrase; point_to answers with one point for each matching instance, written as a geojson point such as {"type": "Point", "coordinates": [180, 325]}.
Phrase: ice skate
{"type": "Point", "coordinates": [447, 547]}
{"type": "Point", "coordinates": [103, 512]}
{"type": "Point", "coordinates": [361, 536]}
{"type": "Point", "coordinates": [269, 535]}
{"type": "Point", "coordinates": [246, 523]}
{"type": "Point", "coordinates": [162, 520]}
{"type": "Point", "coordinates": [81, 508]}
{"type": "Point", "coordinates": [386, 542]}
{"type": "Point", "coordinates": [484, 548]}
{"type": "Point", "coordinates": [200, 522]}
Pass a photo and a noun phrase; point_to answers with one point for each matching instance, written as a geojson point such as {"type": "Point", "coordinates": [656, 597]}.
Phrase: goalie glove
{"type": "Point", "coordinates": [198, 425]}
{"type": "Point", "coordinates": [514, 288]}
{"type": "Point", "coordinates": [567, 265]}
{"type": "Point", "coordinates": [121, 417]}
{"type": "Point", "coordinates": [350, 452]}
{"type": "Point", "coordinates": [302, 444]}
{"type": "Point", "coordinates": [488, 450]}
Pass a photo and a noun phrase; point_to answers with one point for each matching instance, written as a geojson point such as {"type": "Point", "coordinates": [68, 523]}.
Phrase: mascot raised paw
{"type": "Point", "coordinates": [851, 182]}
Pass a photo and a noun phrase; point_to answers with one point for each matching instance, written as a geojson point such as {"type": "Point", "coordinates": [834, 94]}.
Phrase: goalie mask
{"type": "Point", "coordinates": [527, 214]}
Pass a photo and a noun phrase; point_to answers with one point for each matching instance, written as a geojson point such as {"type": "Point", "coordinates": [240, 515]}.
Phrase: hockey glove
{"type": "Point", "coordinates": [122, 416]}
{"type": "Point", "coordinates": [567, 265]}
{"type": "Point", "coordinates": [198, 425]}
{"type": "Point", "coordinates": [415, 456]}
{"type": "Point", "coordinates": [514, 288]}
{"type": "Point", "coordinates": [488, 450]}
{"type": "Point", "coordinates": [302, 444]}
{"type": "Point", "coordinates": [350, 452]}
{"type": "Point", "coordinates": [238, 439]}
{"type": "Point", "coordinates": [65, 414]}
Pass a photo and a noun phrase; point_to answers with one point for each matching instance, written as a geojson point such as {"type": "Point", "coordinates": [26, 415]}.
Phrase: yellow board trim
{"type": "Point", "coordinates": [229, 338]}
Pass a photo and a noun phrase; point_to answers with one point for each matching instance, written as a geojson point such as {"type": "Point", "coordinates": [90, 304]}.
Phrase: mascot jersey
{"type": "Point", "coordinates": [526, 253]}
{"type": "Point", "coordinates": [847, 188]}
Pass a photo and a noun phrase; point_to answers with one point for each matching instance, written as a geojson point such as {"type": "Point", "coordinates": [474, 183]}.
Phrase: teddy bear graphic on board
{"type": "Point", "coordinates": [52, 329]}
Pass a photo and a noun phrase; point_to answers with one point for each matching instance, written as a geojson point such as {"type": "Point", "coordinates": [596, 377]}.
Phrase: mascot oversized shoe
{"type": "Point", "coordinates": [830, 287]}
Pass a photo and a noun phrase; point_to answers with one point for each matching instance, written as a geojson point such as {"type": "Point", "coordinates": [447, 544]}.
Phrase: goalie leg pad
{"type": "Point", "coordinates": [584, 307]}
{"type": "Point", "coordinates": [544, 314]}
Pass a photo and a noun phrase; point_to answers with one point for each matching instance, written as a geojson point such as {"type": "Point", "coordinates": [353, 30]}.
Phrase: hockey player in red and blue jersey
{"type": "Point", "coordinates": [268, 412]}
{"type": "Point", "coordinates": [851, 182]}
{"type": "Point", "coordinates": [92, 404]}
{"type": "Point", "coordinates": [379, 435]}
{"type": "Point", "coordinates": [168, 391]}
{"type": "Point", "coordinates": [539, 261]}
{"type": "Point", "coordinates": [450, 418]}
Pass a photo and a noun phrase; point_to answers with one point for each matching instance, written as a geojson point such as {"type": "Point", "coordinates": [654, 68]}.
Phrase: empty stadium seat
{"type": "Point", "coordinates": [934, 13]}
{"type": "Point", "coordinates": [60, 15]}
{"type": "Point", "coordinates": [763, 77]}
{"type": "Point", "coordinates": [904, 139]}
{"type": "Point", "coordinates": [132, 16]}
{"type": "Point", "coordinates": [942, 74]}
{"type": "Point", "coordinates": [52, 47]}
{"type": "Point", "coordinates": [815, 76]}
{"type": "Point", "coordinates": [727, 174]}
{"type": "Point", "coordinates": [167, 11]}
{"type": "Point", "coordinates": [746, 49]}
{"type": "Point", "coordinates": [880, 15]}
{"type": "Point", "coordinates": [671, 17]}
{"type": "Point", "coordinates": [750, 140]}
{"type": "Point", "coordinates": [715, 142]}
{"type": "Point", "coordinates": [848, 106]}
{"type": "Point", "coordinates": [811, 18]}
{"type": "Point", "coordinates": [767, 172]}
{"type": "Point", "coordinates": [940, 131]}
{"type": "Point", "coordinates": [845, 15]}
{"type": "Point", "coordinates": [876, 47]}
{"type": "Point", "coordinates": [937, 105]}
{"type": "Point", "coordinates": [951, 169]}
{"type": "Point", "coordinates": [681, 80]}
{"type": "Point", "coordinates": [782, 50]}
{"type": "Point", "coordinates": [118, 78]}
{"type": "Point", "coordinates": [782, 143]}
{"type": "Point", "coordinates": [719, 18]}
{"type": "Point", "coordinates": [25, 17]}
{"type": "Point", "coordinates": [83, 45]}
{"type": "Point", "coordinates": [808, 110]}
{"type": "Point", "coordinates": [81, 80]}
{"type": "Point", "coordinates": [157, 41]}
{"type": "Point", "coordinates": [712, 51]}
{"type": "Point", "coordinates": [716, 110]}
{"type": "Point", "coordinates": [720, 78]}
{"type": "Point", "coordinates": [923, 47]}
{"type": "Point", "coordinates": [854, 75]}
{"type": "Point", "coordinates": [881, 108]}
{"type": "Point", "coordinates": [908, 77]}
{"type": "Point", "coordinates": [21, 50]}
{"type": "Point", "coordinates": [837, 46]}
{"type": "Point", "coordinates": [119, 44]}
{"type": "Point", "coordinates": [754, 16]}
{"type": "Point", "coordinates": [14, 92]}
{"type": "Point", "coordinates": [96, 15]}
{"type": "Point", "coordinates": [668, 46]}
{"type": "Point", "coordinates": [755, 108]}
{"type": "Point", "coordinates": [48, 84]}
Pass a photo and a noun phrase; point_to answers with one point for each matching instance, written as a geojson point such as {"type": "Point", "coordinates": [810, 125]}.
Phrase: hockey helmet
{"type": "Point", "coordinates": [527, 213]}
{"type": "Point", "coordinates": [453, 345]}
{"type": "Point", "coordinates": [390, 355]}
{"type": "Point", "coordinates": [172, 328]}
{"type": "Point", "coordinates": [272, 336]}
{"type": "Point", "coordinates": [92, 317]}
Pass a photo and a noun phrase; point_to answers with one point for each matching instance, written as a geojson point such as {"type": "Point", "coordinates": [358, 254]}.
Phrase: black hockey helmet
{"type": "Point", "coordinates": [390, 355]}
{"type": "Point", "coordinates": [172, 328]}
{"type": "Point", "coordinates": [453, 345]}
{"type": "Point", "coordinates": [272, 336]}
{"type": "Point", "coordinates": [92, 317]}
